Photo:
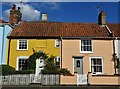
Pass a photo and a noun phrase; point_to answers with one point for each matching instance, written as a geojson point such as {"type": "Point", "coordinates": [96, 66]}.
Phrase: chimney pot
{"type": "Point", "coordinates": [14, 7]}
{"type": "Point", "coordinates": [44, 17]}
{"type": "Point", "coordinates": [18, 8]}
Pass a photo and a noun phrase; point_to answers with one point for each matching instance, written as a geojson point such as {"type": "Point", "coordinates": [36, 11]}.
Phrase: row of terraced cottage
{"type": "Point", "coordinates": [83, 48]}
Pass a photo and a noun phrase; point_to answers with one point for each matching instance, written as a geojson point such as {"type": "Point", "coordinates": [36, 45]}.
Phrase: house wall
{"type": "Point", "coordinates": [4, 31]}
{"type": "Point", "coordinates": [101, 48]}
{"type": "Point", "coordinates": [48, 46]}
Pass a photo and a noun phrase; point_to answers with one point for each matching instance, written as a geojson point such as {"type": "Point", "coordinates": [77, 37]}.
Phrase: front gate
{"type": "Point", "coordinates": [82, 79]}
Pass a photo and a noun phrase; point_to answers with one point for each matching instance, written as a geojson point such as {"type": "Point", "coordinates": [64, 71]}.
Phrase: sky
{"type": "Point", "coordinates": [62, 11]}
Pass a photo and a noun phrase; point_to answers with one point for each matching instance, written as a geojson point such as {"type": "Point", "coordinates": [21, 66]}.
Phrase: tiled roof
{"type": "Point", "coordinates": [115, 28]}
{"type": "Point", "coordinates": [58, 29]}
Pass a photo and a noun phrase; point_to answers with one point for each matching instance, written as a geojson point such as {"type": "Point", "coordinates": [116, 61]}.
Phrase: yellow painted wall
{"type": "Point", "coordinates": [46, 45]}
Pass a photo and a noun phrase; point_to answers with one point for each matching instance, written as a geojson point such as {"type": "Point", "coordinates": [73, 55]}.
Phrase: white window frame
{"type": "Point", "coordinates": [57, 42]}
{"type": "Point", "coordinates": [18, 44]}
{"type": "Point", "coordinates": [86, 51]}
{"type": "Point", "coordinates": [57, 57]}
{"type": "Point", "coordinates": [17, 62]}
{"type": "Point", "coordinates": [97, 73]}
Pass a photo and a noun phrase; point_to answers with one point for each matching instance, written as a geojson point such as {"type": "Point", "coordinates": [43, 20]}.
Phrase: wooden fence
{"type": "Point", "coordinates": [50, 80]}
{"type": "Point", "coordinates": [27, 79]}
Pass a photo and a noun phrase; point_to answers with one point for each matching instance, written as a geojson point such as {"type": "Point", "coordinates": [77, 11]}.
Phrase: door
{"type": "Point", "coordinates": [78, 65]}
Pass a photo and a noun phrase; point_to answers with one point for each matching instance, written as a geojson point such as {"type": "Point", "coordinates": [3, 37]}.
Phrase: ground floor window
{"type": "Point", "coordinates": [96, 65]}
{"type": "Point", "coordinates": [57, 61]}
{"type": "Point", "coordinates": [22, 64]}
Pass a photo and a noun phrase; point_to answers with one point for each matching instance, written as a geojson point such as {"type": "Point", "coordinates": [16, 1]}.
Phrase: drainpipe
{"type": "Point", "coordinates": [8, 52]}
{"type": "Point", "coordinates": [61, 52]}
{"type": "Point", "coordinates": [114, 54]}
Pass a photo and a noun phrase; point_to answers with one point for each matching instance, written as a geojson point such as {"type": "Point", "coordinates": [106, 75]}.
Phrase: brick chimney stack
{"type": "Point", "coordinates": [102, 18]}
{"type": "Point", "coordinates": [15, 15]}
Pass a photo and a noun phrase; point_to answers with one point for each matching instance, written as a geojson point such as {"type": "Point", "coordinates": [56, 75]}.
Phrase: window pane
{"type": "Point", "coordinates": [88, 42]}
{"type": "Point", "coordinates": [99, 62]}
{"type": "Point", "coordinates": [78, 63]}
{"type": "Point", "coordinates": [99, 68]}
{"type": "Point", "coordinates": [82, 48]}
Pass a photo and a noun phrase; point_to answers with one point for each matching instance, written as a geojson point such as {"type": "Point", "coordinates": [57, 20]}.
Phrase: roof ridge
{"type": "Point", "coordinates": [57, 22]}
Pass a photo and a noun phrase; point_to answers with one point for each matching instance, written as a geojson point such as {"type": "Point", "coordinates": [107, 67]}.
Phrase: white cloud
{"type": "Point", "coordinates": [28, 12]}
{"type": "Point", "coordinates": [50, 5]}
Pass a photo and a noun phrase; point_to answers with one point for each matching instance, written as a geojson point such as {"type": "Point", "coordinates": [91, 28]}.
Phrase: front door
{"type": "Point", "coordinates": [78, 65]}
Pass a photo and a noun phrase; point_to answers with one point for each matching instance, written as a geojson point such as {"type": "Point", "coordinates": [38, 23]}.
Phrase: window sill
{"type": "Point", "coordinates": [97, 73]}
{"type": "Point", "coordinates": [85, 52]}
{"type": "Point", "coordinates": [22, 49]}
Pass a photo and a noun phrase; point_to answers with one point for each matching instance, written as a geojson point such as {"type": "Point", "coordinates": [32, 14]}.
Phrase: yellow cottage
{"type": "Point", "coordinates": [29, 36]}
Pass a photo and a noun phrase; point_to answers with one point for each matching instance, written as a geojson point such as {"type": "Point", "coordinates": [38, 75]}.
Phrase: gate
{"type": "Point", "coordinates": [82, 79]}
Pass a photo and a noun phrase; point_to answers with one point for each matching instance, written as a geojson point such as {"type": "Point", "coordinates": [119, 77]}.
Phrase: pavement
{"type": "Point", "coordinates": [60, 87]}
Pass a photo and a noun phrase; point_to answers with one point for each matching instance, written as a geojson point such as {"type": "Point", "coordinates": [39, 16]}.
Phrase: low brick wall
{"type": "Point", "coordinates": [68, 80]}
{"type": "Point", "coordinates": [104, 79]}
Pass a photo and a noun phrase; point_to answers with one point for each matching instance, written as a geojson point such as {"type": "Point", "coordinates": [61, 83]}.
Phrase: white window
{"type": "Point", "coordinates": [57, 43]}
{"type": "Point", "coordinates": [57, 61]}
{"type": "Point", "coordinates": [22, 44]}
{"type": "Point", "coordinates": [22, 63]}
{"type": "Point", "coordinates": [86, 46]}
{"type": "Point", "coordinates": [96, 65]}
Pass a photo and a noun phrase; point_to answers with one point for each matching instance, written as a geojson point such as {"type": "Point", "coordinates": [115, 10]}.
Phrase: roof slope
{"type": "Point", "coordinates": [58, 29]}
{"type": "Point", "coordinates": [115, 28]}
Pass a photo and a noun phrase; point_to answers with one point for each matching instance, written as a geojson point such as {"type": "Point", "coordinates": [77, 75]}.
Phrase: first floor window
{"type": "Point", "coordinates": [57, 43]}
{"type": "Point", "coordinates": [57, 61]}
{"type": "Point", "coordinates": [96, 65]}
{"type": "Point", "coordinates": [22, 64]}
{"type": "Point", "coordinates": [22, 44]}
{"type": "Point", "coordinates": [86, 46]}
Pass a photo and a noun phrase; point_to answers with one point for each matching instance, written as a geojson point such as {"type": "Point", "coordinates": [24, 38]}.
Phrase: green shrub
{"type": "Point", "coordinates": [50, 67]}
{"type": "Point", "coordinates": [7, 70]}
{"type": "Point", "coordinates": [31, 62]}
{"type": "Point", "coordinates": [65, 71]}
{"type": "Point", "coordinates": [25, 72]}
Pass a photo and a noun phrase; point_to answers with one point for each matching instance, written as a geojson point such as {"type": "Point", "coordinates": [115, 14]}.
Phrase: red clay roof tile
{"type": "Point", "coordinates": [58, 29]}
